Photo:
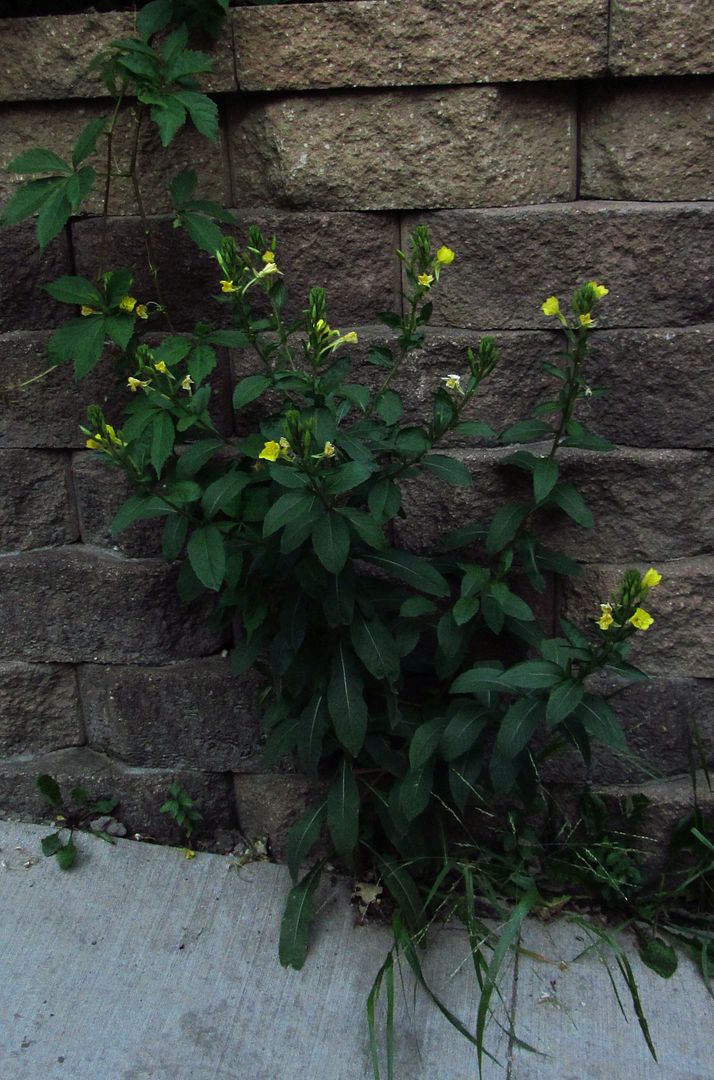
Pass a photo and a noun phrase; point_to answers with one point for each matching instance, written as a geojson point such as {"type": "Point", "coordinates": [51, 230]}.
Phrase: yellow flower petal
{"type": "Point", "coordinates": [425, 280]}
{"type": "Point", "coordinates": [161, 366]}
{"type": "Point", "coordinates": [329, 450]}
{"type": "Point", "coordinates": [641, 620]}
{"type": "Point", "coordinates": [445, 256]}
{"type": "Point", "coordinates": [351, 338]}
{"type": "Point", "coordinates": [228, 287]}
{"type": "Point", "coordinates": [128, 303]}
{"type": "Point", "coordinates": [651, 579]}
{"type": "Point", "coordinates": [268, 256]}
{"type": "Point", "coordinates": [600, 290]}
{"type": "Point", "coordinates": [271, 451]}
{"type": "Point", "coordinates": [551, 306]}
{"type": "Point", "coordinates": [586, 320]}
{"type": "Point", "coordinates": [142, 311]}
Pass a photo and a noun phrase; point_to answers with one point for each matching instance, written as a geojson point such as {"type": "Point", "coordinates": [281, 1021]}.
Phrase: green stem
{"type": "Point", "coordinates": [148, 244]}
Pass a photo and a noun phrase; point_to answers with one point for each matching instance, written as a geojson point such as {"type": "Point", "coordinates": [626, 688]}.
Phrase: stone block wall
{"type": "Point", "coordinates": [548, 144]}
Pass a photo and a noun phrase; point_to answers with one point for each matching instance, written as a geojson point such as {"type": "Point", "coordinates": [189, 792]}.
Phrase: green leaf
{"type": "Point", "coordinates": [81, 340]}
{"type": "Point", "coordinates": [478, 679]}
{"type": "Point", "coordinates": [343, 811]}
{"type": "Point", "coordinates": [48, 786]}
{"type": "Point", "coordinates": [376, 648]}
{"type": "Point", "coordinates": [207, 556]}
{"type": "Point", "coordinates": [203, 112]}
{"type": "Point", "coordinates": [231, 339]}
{"type": "Point", "coordinates": [463, 729]}
{"type": "Point", "coordinates": [38, 161]}
{"type": "Point", "coordinates": [286, 510]}
{"type": "Point", "coordinates": [600, 722]}
{"type": "Point", "coordinates": [120, 329]}
{"type": "Point", "coordinates": [425, 742]}
{"type": "Point", "coordinates": [563, 700]}
{"type": "Point", "coordinates": [659, 957]}
{"type": "Point", "coordinates": [331, 541]}
{"type": "Point", "coordinates": [222, 492]}
{"type": "Point", "coordinates": [75, 290]}
{"type": "Point", "coordinates": [416, 606]}
{"type": "Point", "coordinates": [365, 526]}
{"type": "Point", "coordinates": [415, 791]}
{"type": "Point", "coordinates": [347, 477]}
{"type": "Point", "coordinates": [416, 571]}
{"type": "Point", "coordinates": [527, 431]}
{"type": "Point", "coordinates": [569, 499]}
{"type": "Point", "coordinates": [475, 427]}
{"type": "Point", "coordinates": [345, 700]}
{"type": "Point", "coordinates": [303, 836]}
{"type": "Point", "coordinates": [384, 499]}
{"type": "Point", "coordinates": [249, 389]}
{"type": "Point", "coordinates": [53, 216]}
{"type": "Point", "coordinates": [154, 17]}
{"type": "Point", "coordinates": [464, 610]}
{"type": "Point", "coordinates": [79, 796]}
{"type": "Point", "coordinates": [532, 675]}
{"type": "Point", "coordinates": [295, 924]}
{"type": "Point", "coordinates": [545, 477]}
{"type": "Point", "coordinates": [51, 844]}
{"type": "Point", "coordinates": [162, 440]}
{"type": "Point", "coordinates": [137, 508]}
{"type": "Point", "coordinates": [314, 724]}
{"type": "Point", "coordinates": [509, 603]}
{"type": "Point", "coordinates": [586, 441]}
{"type": "Point", "coordinates": [389, 406]}
{"type": "Point", "coordinates": [168, 115]}
{"type": "Point", "coordinates": [412, 440]}
{"type": "Point", "coordinates": [196, 456]}
{"type": "Point", "coordinates": [518, 726]}
{"type": "Point", "coordinates": [28, 200]}
{"type": "Point", "coordinates": [448, 469]}
{"type": "Point", "coordinates": [67, 855]}
{"type": "Point", "coordinates": [505, 525]}
{"type": "Point", "coordinates": [282, 740]}
{"type": "Point", "coordinates": [86, 144]}
{"type": "Point", "coordinates": [205, 234]}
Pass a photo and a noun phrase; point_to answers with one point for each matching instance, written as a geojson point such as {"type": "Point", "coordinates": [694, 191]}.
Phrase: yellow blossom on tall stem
{"type": "Point", "coordinates": [127, 303]}
{"type": "Point", "coordinates": [606, 620]}
{"type": "Point", "coordinates": [551, 306]}
{"type": "Point", "coordinates": [268, 256]}
{"type": "Point", "coordinates": [228, 287]}
{"type": "Point", "coordinates": [651, 579]}
{"type": "Point", "coordinates": [586, 320]}
{"type": "Point", "coordinates": [271, 451]}
{"type": "Point", "coordinates": [137, 384]}
{"type": "Point", "coordinates": [425, 280]}
{"type": "Point", "coordinates": [599, 290]}
{"type": "Point", "coordinates": [445, 256]}
{"type": "Point", "coordinates": [641, 620]}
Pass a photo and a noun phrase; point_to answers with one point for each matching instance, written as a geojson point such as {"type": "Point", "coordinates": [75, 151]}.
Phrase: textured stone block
{"type": "Point", "coordinates": [658, 262]}
{"type": "Point", "coordinates": [141, 792]}
{"type": "Point", "coordinates": [48, 411]}
{"type": "Point", "coordinates": [23, 271]}
{"type": "Point", "coordinates": [80, 604]}
{"type": "Point", "coordinates": [57, 125]}
{"type": "Point", "coordinates": [268, 805]}
{"type": "Point", "coordinates": [661, 37]}
{"type": "Point", "coordinates": [35, 506]}
{"type": "Point", "coordinates": [39, 708]}
{"type": "Point", "coordinates": [351, 255]}
{"type": "Point", "coordinates": [379, 43]}
{"type": "Point", "coordinates": [650, 139]}
{"type": "Point", "coordinates": [194, 714]}
{"type": "Point", "coordinates": [100, 491]}
{"type": "Point", "coordinates": [473, 146]}
{"type": "Point", "coordinates": [49, 58]}
{"type": "Point", "coordinates": [669, 724]}
{"type": "Point", "coordinates": [635, 497]}
{"type": "Point", "coordinates": [680, 642]}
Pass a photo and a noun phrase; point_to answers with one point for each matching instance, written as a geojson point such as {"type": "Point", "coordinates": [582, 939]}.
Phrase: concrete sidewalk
{"type": "Point", "coordinates": [141, 965]}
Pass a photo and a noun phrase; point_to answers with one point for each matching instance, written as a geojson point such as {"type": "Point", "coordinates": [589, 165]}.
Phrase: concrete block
{"type": "Point", "coordinates": [23, 271]}
{"type": "Point", "coordinates": [39, 708]}
{"type": "Point", "coordinates": [35, 505]}
{"type": "Point", "coordinates": [268, 805]}
{"type": "Point", "coordinates": [661, 37]}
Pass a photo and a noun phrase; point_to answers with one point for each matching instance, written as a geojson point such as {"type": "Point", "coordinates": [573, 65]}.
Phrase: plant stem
{"type": "Point", "coordinates": [148, 244]}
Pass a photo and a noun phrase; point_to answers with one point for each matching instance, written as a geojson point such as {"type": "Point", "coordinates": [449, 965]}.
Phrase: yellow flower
{"type": "Point", "coordinates": [425, 280]}
{"type": "Point", "coordinates": [161, 366]}
{"type": "Point", "coordinates": [189, 854]}
{"type": "Point", "coordinates": [269, 268]}
{"type": "Point", "coordinates": [271, 451]}
{"type": "Point", "coordinates": [137, 384]}
{"type": "Point", "coordinates": [445, 256]}
{"type": "Point", "coordinates": [651, 579]}
{"type": "Point", "coordinates": [551, 306]}
{"type": "Point", "coordinates": [95, 443]}
{"type": "Point", "coordinates": [142, 311]}
{"type": "Point", "coordinates": [268, 256]}
{"type": "Point", "coordinates": [600, 290]}
{"type": "Point", "coordinates": [606, 618]}
{"type": "Point", "coordinates": [186, 382]}
{"type": "Point", "coordinates": [87, 310]}
{"type": "Point", "coordinates": [128, 303]}
{"type": "Point", "coordinates": [329, 450]}
{"type": "Point", "coordinates": [453, 382]}
{"type": "Point", "coordinates": [351, 338]}
{"type": "Point", "coordinates": [641, 620]}
{"type": "Point", "coordinates": [228, 287]}
{"type": "Point", "coordinates": [586, 320]}
{"type": "Point", "coordinates": [114, 437]}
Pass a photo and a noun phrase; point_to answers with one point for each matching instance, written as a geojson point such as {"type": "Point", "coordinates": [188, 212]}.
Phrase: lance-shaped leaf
{"type": "Point", "coordinates": [331, 541]}
{"type": "Point", "coordinates": [345, 700]}
{"type": "Point", "coordinates": [563, 700]}
{"type": "Point", "coordinates": [518, 726]}
{"type": "Point", "coordinates": [417, 572]}
{"type": "Point", "coordinates": [295, 925]}
{"type": "Point", "coordinates": [343, 811]}
{"type": "Point", "coordinates": [207, 556]}
{"type": "Point", "coordinates": [375, 647]}
{"type": "Point", "coordinates": [600, 722]}
{"type": "Point", "coordinates": [303, 836]}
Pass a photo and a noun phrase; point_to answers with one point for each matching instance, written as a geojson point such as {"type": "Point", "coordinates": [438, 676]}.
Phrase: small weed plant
{"type": "Point", "coordinates": [75, 813]}
{"type": "Point", "coordinates": [419, 692]}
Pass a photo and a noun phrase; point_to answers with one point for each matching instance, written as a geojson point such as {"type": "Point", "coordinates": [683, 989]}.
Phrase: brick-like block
{"type": "Point", "coordinates": [24, 305]}
{"type": "Point", "coordinates": [464, 146]}
{"type": "Point", "coordinates": [680, 642]}
{"type": "Point", "coordinates": [350, 254]}
{"type": "Point", "coordinates": [141, 792]}
{"type": "Point", "coordinates": [661, 37]}
{"type": "Point", "coordinates": [47, 412]}
{"type": "Point", "coordinates": [39, 708]}
{"type": "Point", "coordinates": [669, 725]}
{"type": "Point", "coordinates": [59, 124]}
{"type": "Point", "coordinates": [35, 506]}
{"type": "Point", "coordinates": [635, 496]}
{"type": "Point", "coordinates": [194, 714]}
{"type": "Point", "coordinates": [658, 262]}
{"type": "Point", "coordinates": [420, 42]}
{"type": "Point", "coordinates": [80, 604]}
{"type": "Point", "coordinates": [269, 804]}
{"type": "Point", "coordinates": [49, 58]}
{"type": "Point", "coordinates": [100, 491]}
{"type": "Point", "coordinates": [650, 139]}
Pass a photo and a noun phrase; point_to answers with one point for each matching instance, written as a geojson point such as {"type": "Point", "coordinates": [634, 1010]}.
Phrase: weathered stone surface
{"type": "Point", "coordinates": [658, 262]}
{"type": "Point", "coordinates": [48, 58]}
{"type": "Point", "coordinates": [651, 139]}
{"type": "Point", "coordinates": [391, 150]}
{"type": "Point", "coordinates": [351, 255]}
{"type": "Point", "coordinates": [82, 604]}
{"type": "Point", "coordinates": [58, 125]}
{"type": "Point", "coordinates": [669, 724]}
{"type": "Point", "coordinates": [141, 792]}
{"type": "Point", "coordinates": [48, 411]}
{"type": "Point", "coordinates": [23, 271]}
{"type": "Point", "coordinates": [661, 37]}
{"type": "Point", "coordinates": [100, 490]}
{"type": "Point", "coordinates": [268, 805]}
{"type": "Point", "coordinates": [194, 714]}
{"type": "Point", "coordinates": [378, 43]}
{"type": "Point", "coordinates": [679, 643]}
{"type": "Point", "coordinates": [35, 506]}
{"type": "Point", "coordinates": [39, 708]}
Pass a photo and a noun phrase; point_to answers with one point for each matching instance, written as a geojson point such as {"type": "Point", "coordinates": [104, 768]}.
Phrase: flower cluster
{"type": "Point", "coordinates": [634, 588]}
